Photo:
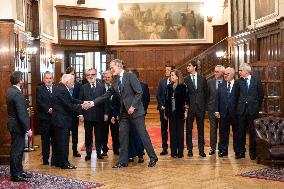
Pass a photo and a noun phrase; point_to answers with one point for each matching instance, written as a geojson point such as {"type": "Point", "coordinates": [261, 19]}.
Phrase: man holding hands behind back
{"type": "Point", "coordinates": [18, 126]}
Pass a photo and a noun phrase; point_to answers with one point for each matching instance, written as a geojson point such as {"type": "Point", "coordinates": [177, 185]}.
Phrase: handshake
{"type": "Point", "coordinates": [87, 105]}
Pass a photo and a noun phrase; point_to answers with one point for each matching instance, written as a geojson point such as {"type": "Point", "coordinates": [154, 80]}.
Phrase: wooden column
{"type": "Point", "coordinates": [7, 54]}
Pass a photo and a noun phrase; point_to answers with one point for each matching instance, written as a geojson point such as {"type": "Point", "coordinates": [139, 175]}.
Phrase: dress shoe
{"type": "Point", "coordinates": [45, 163]}
{"type": "Point", "coordinates": [173, 156]}
{"type": "Point", "coordinates": [116, 152]}
{"type": "Point", "coordinates": [240, 156]}
{"type": "Point", "coordinates": [19, 179]}
{"type": "Point", "coordinates": [164, 152]}
{"type": "Point", "coordinates": [211, 152]}
{"type": "Point", "coordinates": [140, 160]}
{"type": "Point", "coordinates": [87, 158]}
{"type": "Point", "coordinates": [104, 154]}
{"type": "Point", "coordinates": [70, 166]}
{"type": "Point", "coordinates": [190, 154]}
{"type": "Point", "coordinates": [252, 157]}
{"type": "Point", "coordinates": [222, 154]}
{"type": "Point", "coordinates": [130, 159]}
{"type": "Point", "coordinates": [180, 156]}
{"type": "Point", "coordinates": [119, 165]}
{"type": "Point", "coordinates": [202, 154]}
{"type": "Point", "coordinates": [76, 154]}
{"type": "Point", "coordinates": [152, 162]}
{"type": "Point", "coordinates": [99, 156]}
{"type": "Point", "coordinates": [26, 175]}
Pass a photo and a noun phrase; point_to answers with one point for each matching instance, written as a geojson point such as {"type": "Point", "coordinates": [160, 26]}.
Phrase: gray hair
{"type": "Point", "coordinates": [66, 77]}
{"type": "Point", "coordinates": [90, 69]}
{"type": "Point", "coordinates": [245, 66]}
{"type": "Point", "coordinates": [47, 73]}
{"type": "Point", "coordinates": [222, 68]}
{"type": "Point", "coordinates": [231, 70]}
{"type": "Point", "coordinates": [118, 63]}
{"type": "Point", "coordinates": [107, 72]}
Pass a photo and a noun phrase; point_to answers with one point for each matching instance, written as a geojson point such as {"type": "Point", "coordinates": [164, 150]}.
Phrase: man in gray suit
{"type": "Point", "coordinates": [132, 112]}
{"type": "Point", "coordinates": [18, 126]}
{"type": "Point", "coordinates": [212, 86]}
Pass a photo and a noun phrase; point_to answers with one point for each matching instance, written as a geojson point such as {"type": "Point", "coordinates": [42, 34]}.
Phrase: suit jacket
{"type": "Point", "coordinates": [226, 104]}
{"type": "Point", "coordinates": [211, 94]}
{"type": "Point", "coordinates": [181, 98]}
{"type": "Point", "coordinates": [197, 98]}
{"type": "Point", "coordinates": [64, 105]}
{"type": "Point", "coordinates": [87, 94]}
{"type": "Point", "coordinates": [145, 95]}
{"type": "Point", "coordinates": [76, 90]}
{"type": "Point", "coordinates": [161, 93]}
{"type": "Point", "coordinates": [18, 117]}
{"type": "Point", "coordinates": [113, 105]}
{"type": "Point", "coordinates": [43, 102]}
{"type": "Point", "coordinates": [129, 95]}
{"type": "Point", "coordinates": [253, 99]}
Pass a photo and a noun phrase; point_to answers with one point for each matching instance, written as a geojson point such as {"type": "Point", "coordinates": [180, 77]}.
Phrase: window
{"type": "Point", "coordinates": [79, 29]}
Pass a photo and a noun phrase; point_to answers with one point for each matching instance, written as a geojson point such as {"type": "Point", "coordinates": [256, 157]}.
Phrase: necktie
{"type": "Point", "coordinates": [71, 91]}
{"type": "Point", "coordinates": [119, 83]}
{"type": "Point", "coordinates": [48, 89]}
{"type": "Point", "coordinates": [218, 84]}
{"type": "Point", "coordinates": [247, 86]}
{"type": "Point", "coordinates": [193, 81]}
{"type": "Point", "coordinates": [229, 88]}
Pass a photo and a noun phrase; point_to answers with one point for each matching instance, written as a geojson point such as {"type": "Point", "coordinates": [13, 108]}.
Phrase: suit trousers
{"type": "Point", "coordinates": [74, 130]}
{"type": "Point", "coordinates": [214, 122]}
{"type": "Point", "coordinates": [136, 147]}
{"type": "Point", "coordinates": [200, 128]}
{"type": "Point", "coordinates": [47, 139]}
{"type": "Point", "coordinates": [164, 130]}
{"type": "Point", "coordinates": [96, 127]}
{"type": "Point", "coordinates": [224, 132]}
{"type": "Point", "coordinates": [126, 121]}
{"type": "Point", "coordinates": [17, 150]}
{"type": "Point", "coordinates": [62, 138]}
{"type": "Point", "coordinates": [114, 130]}
{"type": "Point", "coordinates": [176, 135]}
{"type": "Point", "coordinates": [246, 122]}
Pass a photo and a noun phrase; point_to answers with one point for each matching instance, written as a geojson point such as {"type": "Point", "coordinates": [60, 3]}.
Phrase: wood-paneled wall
{"type": "Point", "coordinates": [150, 61]}
{"type": "Point", "coordinates": [7, 50]}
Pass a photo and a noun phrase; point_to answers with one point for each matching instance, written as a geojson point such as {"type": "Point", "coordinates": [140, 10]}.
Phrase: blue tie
{"type": "Point", "coordinates": [71, 91]}
{"type": "Point", "coordinates": [247, 86]}
{"type": "Point", "coordinates": [229, 88]}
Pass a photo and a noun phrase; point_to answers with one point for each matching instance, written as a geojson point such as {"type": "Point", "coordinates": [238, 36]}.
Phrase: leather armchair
{"type": "Point", "coordinates": [269, 138]}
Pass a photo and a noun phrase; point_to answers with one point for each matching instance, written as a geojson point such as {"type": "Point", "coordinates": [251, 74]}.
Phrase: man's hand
{"type": "Point", "coordinates": [217, 114]}
{"type": "Point", "coordinates": [30, 133]}
{"type": "Point", "coordinates": [185, 114]}
{"type": "Point", "coordinates": [86, 105]}
{"type": "Point", "coordinates": [105, 117]}
{"type": "Point", "coordinates": [50, 110]}
{"type": "Point", "coordinates": [112, 120]}
{"type": "Point", "coordinates": [81, 118]}
{"type": "Point", "coordinates": [131, 110]}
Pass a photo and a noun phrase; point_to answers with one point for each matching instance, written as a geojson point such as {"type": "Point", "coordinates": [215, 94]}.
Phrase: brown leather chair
{"type": "Point", "coordinates": [269, 138]}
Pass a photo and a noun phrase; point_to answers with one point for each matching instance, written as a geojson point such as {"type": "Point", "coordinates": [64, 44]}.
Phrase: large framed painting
{"type": "Point", "coordinates": [161, 21]}
{"type": "Point", "coordinates": [20, 10]}
{"type": "Point", "coordinates": [265, 10]}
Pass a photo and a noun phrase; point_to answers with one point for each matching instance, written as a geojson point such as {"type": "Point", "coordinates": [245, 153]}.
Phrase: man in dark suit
{"type": "Point", "coordinates": [64, 106]}
{"type": "Point", "coordinates": [44, 110]}
{"type": "Point", "coordinates": [131, 112]}
{"type": "Point", "coordinates": [94, 117]}
{"type": "Point", "coordinates": [75, 121]}
{"type": "Point", "coordinates": [212, 85]}
{"type": "Point", "coordinates": [136, 147]}
{"type": "Point", "coordinates": [161, 96]}
{"type": "Point", "coordinates": [250, 97]}
{"type": "Point", "coordinates": [197, 91]}
{"type": "Point", "coordinates": [226, 111]}
{"type": "Point", "coordinates": [112, 122]}
{"type": "Point", "coordinates": [18, 126]}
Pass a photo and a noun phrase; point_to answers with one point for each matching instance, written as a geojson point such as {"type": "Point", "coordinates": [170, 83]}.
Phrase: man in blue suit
{"type": "Point", "coordinates": [250, 97]}
{"type": "Point", "coordinates": [161, 99]}
{"type": "Point", "coordinates": [225, 109]}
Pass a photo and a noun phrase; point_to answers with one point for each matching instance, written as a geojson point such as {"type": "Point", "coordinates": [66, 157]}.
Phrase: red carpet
{"type": "Point", "coordinates": [43, 181]}
{"type": "Point", "coordinates": [155, 135]}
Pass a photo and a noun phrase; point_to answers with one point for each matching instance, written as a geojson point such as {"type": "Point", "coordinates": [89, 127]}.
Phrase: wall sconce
{"type": "Point", "coordinates": [31, 50]}
{"type": "Point", "coordinates": [221, 54]}
{"type": "Point", "coordinates": [55, 58]}
{"type": "Point", "coordinates": [112, 21]}
{"type": "Point", "coordinates": [209, 18]}
{"type": "Point", "coordinates": [22, 54]}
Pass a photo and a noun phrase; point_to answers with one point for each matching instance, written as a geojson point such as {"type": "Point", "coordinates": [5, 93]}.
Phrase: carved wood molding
{"type": "Point", "coordinates": [74, 11]}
